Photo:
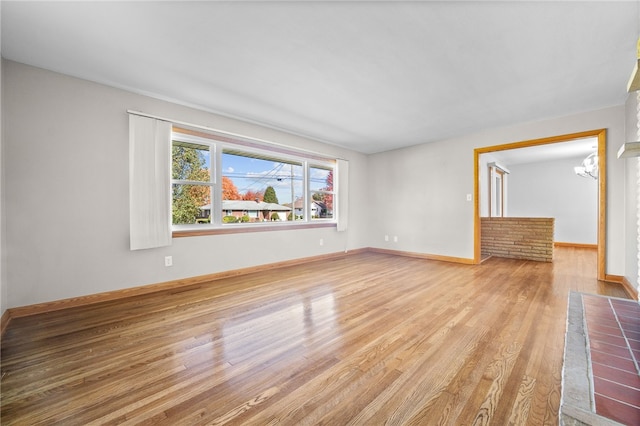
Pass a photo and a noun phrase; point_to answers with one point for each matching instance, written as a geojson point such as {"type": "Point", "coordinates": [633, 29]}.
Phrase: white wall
{"type": "Point", "coordinates": [3, 269]}
{"type": "Point", "coordinates": [552, 189]}
{"type": "Point", "coordinates": [419, 195]}
{"type": "Point", "coordinates": [66, 193]}
{"type": "Point", "coordinates": [632, 191]}
{"type": "Point", "coordinates": [632, 220]}
{"type": "Point", "coordinates": [427, 185]}
{"type": "Point", "coordinates": [483, 182]}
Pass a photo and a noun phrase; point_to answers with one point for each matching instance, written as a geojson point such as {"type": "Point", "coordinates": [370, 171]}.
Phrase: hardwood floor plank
{"type": "Point", "coordinates": [497, 374]}
{"type": "Point", "coordinates": [522, 405]}
{"type": "Point", "coordinates": [370, 338]}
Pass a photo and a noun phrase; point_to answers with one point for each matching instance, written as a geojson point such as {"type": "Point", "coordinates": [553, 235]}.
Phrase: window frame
{"type": "Point", "coordinates": [323, 191]}
{"type": "Point", "coordinates": [217, 146]}
{"type": "Point", "coordinates": [211, 183]}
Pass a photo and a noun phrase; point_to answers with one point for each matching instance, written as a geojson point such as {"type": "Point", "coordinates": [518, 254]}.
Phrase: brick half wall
{"type": "Point", "coordinates": [517, 237]}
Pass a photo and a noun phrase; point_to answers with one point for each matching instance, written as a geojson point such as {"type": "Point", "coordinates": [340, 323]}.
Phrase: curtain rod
{"type": "Point", "coordinates": [225, 133]}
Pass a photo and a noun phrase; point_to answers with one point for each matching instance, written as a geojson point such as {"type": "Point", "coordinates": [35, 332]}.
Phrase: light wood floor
{"type": "Point", "coordinates": [365, 340]}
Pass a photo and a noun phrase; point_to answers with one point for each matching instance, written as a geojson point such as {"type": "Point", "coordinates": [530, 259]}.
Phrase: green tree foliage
{"type": "Point", "coordinates": [270, 195]}
{"type": "Point", "coordinates": [188, 164]}
{"type": "Point", "coordinates": [185, 208]}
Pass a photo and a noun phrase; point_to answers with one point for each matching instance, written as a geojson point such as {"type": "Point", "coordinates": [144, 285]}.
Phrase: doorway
{"type": "Point", "coordinates": [600, 134]}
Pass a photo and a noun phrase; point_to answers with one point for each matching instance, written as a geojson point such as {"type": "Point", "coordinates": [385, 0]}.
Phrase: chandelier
{"type": "Point", "coordinates": [589, 167]}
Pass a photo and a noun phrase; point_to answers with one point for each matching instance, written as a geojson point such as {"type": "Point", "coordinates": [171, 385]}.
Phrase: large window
{"type": "Point", "coordinates": [220, 183]}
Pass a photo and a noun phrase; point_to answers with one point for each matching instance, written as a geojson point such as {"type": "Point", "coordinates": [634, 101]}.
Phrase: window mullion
{"type": "Point", "coordinates": [216, 178]}
{"type": "Point", "coordinates": [190, 182]}
{"type": "Point", "coordinates": [306, 200]}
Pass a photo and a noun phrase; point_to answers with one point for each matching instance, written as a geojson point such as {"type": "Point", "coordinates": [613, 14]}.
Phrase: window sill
{"type": "Point", "coordinates": [240, 229]}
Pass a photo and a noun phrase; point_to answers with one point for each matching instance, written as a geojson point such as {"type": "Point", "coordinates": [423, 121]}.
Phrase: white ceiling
{"type": "Point", "coordinates": [369, 76]}
{"type": "Point", "coordinates": [577, 148]}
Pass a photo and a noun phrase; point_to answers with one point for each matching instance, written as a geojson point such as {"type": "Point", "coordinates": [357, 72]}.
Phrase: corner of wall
{"type": "Point", "coordinates": [3, 269]}
{"type": "Point", "coordinates": [637, 275]}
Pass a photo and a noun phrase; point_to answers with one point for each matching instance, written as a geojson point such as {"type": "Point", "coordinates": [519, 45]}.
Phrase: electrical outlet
{"type": "Point", "coordinates": [168, 261]}
{"type": "Point", "coordinates": [321, 241]}
{"type": "Point", "coordinates": [395, 238]}
{"type": "Point", "coordinates": [469, 197]}
{"type": "Point", "coordinates": [386, 238]}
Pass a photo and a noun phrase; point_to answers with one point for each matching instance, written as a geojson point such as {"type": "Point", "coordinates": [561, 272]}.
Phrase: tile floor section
{"type": "Point", "coordinates": [613, 330]}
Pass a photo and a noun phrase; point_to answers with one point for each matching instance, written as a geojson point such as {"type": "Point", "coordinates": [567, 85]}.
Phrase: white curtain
{"type": "Point", "coordinates": [342, 170]}
{"type": "Point", "coordinates": [149, 182]}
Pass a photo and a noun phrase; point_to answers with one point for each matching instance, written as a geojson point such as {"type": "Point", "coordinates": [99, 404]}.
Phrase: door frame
{"type": "Point", "coordinates": [492, 189]}
{"type": "Point", "coordinates": [601, 134]}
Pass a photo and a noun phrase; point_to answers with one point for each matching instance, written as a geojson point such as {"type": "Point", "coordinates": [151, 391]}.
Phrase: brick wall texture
{"type": "Point", "coordinates": [517, 237]}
